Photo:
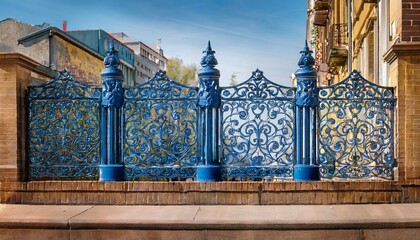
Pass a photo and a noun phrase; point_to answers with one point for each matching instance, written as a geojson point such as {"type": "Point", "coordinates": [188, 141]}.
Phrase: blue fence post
{"type": "Point", "coordinates": [111, 167]}
{"type": "Point", "coordinates": [209, 169]}
{"type": "Point", "coordinates": [306, 167]}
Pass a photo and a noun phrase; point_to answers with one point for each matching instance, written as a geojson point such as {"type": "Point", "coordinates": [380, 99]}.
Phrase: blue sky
{"type": "Point", "coordinates": [246, 34]}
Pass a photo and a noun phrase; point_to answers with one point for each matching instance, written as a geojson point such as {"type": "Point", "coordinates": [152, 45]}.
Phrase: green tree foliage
{"type": "Point", "coordinates": [182, 73]}
{"type": "Point", "coordinates": [233, 80]}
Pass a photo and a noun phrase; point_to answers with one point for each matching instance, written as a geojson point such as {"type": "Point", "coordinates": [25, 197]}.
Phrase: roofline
{"type": "Point", "coordinates": [136, 42]}
{"type": "Point", "coordinates": [16, 20]}
{"type": "Point", "coordinates": [50, 31]}
{"type": "Point", "coordinates": [109, 35]}
{"type": "Point", "coordinates": [152, 49]}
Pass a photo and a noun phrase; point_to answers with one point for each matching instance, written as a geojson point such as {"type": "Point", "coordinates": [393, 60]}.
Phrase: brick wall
{"type": "Point", "coordinates": [409, 112]}
{"type": "Point", "coordinates": [8, 124]}
{"type": "Point", "coordinates": [404, 60]}
{"type": "Point", "coordinates": [410, 31]}
{"type": "Point", "coordinates": [82, 65]}
{"type": "Point", "coordinates": [216, 193]}
{"type": "Point", "coordinates": [15, 77]}
{"type": "Point", "coordinates": [399, 116]}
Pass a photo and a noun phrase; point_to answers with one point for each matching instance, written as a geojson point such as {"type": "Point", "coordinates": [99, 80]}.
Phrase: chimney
{"type": "Point", "coordinates": [65, 26]}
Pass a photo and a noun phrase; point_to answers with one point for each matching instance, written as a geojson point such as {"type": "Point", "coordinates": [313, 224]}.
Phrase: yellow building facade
{"type": "Point", "coordinates": [382, 41]}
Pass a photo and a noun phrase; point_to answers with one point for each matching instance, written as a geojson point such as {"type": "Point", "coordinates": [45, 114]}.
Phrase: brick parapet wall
{"type": "Point", "coordinates": [218, 193]}
{"type": "Point", "coordinates": [16, 72]}
{"type": "Point", "coordinates": [13, 76]}
{"type": "Point", "coordinates": [409, 114]}
{"type": "Point", "coordinates": [404, 60]}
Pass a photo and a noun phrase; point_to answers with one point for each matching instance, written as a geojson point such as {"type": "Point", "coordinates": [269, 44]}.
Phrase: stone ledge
{"type": "Point", "coordinates": [298, 217]}
{"type": "Point", "coordinates": [117, 234]}
{"type": "Point", "coordinates": [401, 49]}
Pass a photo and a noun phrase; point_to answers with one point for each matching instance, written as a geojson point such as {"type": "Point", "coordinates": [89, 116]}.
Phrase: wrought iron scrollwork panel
{"type": "Point", "coordinates": [356, 87]}
{"type": "Point", "coordinates": [257, 129]}
{"type": "Point", "coordinates": [64, 130]}
{"type": "Point", "coordinates": [161, 87]}
{"type": "Point", "coordinates": [160, 130]}
{"type": "Point", "coordinates": [356, 130]}
{"type": "Point", "coordinates": [64, 86]}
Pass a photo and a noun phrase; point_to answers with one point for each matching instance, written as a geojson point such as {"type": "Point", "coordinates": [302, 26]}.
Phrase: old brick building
{"type": "Point", "coordinates": [382, 41]}
{"type": "Point", "coordinates": [81, 53]}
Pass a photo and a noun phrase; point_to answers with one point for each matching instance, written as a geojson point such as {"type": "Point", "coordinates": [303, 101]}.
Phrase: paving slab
{"type": "Point", "coordinates": [310, 216]}
{"type": "Point", "coordinates": [38, 216]}
{"type": "Point", "coordinates": [138, 217]}
{"type": "Point", "coordinates": [285, 217]}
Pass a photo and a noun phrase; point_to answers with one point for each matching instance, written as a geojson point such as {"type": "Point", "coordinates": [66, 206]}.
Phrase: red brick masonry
{"type": "Point", "coordinates": [220, 193]}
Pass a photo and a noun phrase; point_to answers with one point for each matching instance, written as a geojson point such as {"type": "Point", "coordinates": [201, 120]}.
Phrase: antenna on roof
{"type": "Point", "coordinates": [158, 44]}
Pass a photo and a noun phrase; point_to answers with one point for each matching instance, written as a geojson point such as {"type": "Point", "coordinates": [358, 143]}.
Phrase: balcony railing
{"type": "Point", "coordinates": [338, 44]}
{"type": "Point", "coordinates": [339, 35]}
{"type": "Point", "coordinates": [321, 8]}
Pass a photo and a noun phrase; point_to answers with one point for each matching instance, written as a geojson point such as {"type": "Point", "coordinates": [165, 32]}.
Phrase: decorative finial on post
{"type": "Point", "coordinates": [112, 64]}
{"type": "Point", "coordinates": [112, 78]}
{"type": "Point", "coordinates": [306, 60]}
{"type": "Point", "coordinates": [112, 59]}
{"type": "Point", "coordinates": [209, 60]}
{"type": "Point", "coordinates": [306, 79]}
{"type": "Point", "coordinates": [209, 95]}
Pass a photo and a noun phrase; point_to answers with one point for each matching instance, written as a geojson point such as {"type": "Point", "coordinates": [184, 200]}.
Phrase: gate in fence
{"type": "Point", "coordinates": [254, 130]}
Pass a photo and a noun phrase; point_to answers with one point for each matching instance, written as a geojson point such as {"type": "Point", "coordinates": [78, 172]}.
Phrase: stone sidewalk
{"type": "Point", "coordinates": [309, 222]}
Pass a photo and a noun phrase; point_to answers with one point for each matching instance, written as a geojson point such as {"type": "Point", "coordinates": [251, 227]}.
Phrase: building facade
{"type": "Point", "coordinates": [382, 41]}
{"type": "Point", "coordinates": [373, 29]}
{"type": "Point", "coordinates": [98, 41]}
{"type": "Point", "coordinates": [52, 48]}
{"type": "Point", "coordinates": [148, 60]}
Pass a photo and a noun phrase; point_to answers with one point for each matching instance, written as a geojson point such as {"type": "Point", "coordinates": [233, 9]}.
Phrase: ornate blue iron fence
{"type": "Point", "coordinates": [64, 130]}
{"type": "Point", "coordinates": [256, 129]}
{"type": "Point", "coordinates": [356, 129]}
{"type": "Point", "coordinates": [160, 129]}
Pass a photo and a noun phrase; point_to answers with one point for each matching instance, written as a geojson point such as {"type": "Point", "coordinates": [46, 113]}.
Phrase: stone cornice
{"type": "Point", "coordinates": [401, 49]}
{"type": "Point", "coordinates": [26, 62]}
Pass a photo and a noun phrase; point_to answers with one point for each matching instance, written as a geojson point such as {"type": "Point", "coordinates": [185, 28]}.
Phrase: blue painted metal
{"type": "Point", "coordinates": [306, 167]}
{"type": "Point", "coordinates": [111, 168]}
{"type": "Point", "coordinates": [299, 132]}
{"type": "Point", "coordinates": [64, 134]}
{"type": "Point", "coordinates": [253, 130]}
{"type": "Point", "coordinates": [209, 101]}
{"type": "Point", "coordinates": [160, 130]}
{"type": "Point", "coordinates": [257, 133]}
{"type": "Point", "coordinates": [356, 138]}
